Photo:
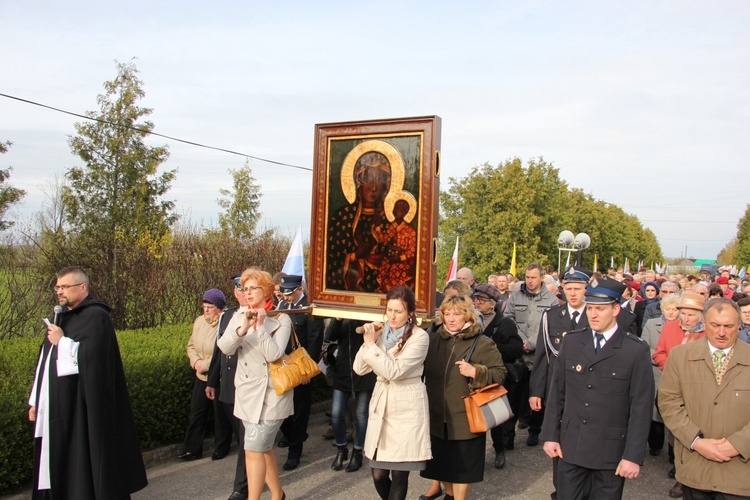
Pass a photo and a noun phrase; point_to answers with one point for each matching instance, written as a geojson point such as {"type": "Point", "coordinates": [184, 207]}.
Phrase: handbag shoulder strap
{"type": "Point", "coordinates": [471, 351]}
{"type": "Point", "coordinates": [293, 339]}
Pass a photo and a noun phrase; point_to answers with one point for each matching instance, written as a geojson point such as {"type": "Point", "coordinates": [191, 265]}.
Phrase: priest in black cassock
{"type": "Point", "coordinates": [86, 446]}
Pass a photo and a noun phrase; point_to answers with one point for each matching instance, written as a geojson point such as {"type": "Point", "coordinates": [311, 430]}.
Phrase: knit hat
{"type": "Point", "coordinates": [642, 293]}
{"type": "Point", "coordinates": [216, 297]}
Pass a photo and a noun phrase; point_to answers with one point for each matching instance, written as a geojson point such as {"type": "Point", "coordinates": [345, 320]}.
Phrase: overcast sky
{"type": "Point", "coordinates": [643, 104]}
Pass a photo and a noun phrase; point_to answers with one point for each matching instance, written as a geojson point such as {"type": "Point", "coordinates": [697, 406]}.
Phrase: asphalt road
{"type": "Point", "coordinates": [528, 475]}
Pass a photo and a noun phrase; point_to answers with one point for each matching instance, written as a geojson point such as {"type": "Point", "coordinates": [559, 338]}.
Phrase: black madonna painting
{"type": "Point", "coordinates": [375, 211]}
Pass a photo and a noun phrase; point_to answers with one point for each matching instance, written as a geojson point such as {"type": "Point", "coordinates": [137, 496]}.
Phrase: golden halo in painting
{"type": "Point", "coordinates": [382, 147]}
{"type": "Point", "coordinates": [391, 199]}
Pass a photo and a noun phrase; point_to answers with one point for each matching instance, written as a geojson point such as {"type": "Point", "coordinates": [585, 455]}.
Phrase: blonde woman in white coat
{"type": "Point", "coordinates": [258, 340]}
{"type": "Point", "coordinates": [398, 427]}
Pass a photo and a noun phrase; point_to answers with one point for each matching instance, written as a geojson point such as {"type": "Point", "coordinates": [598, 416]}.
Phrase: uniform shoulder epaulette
{"type": "Point", "coordinates": [557, 306]}
{"type": "Point", "coordinates": [632, 336]}
{"type": "Point", "coordinates": [577, 330]}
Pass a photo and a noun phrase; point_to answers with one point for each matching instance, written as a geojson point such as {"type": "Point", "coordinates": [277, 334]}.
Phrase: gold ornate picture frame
{"type": "Point", "coordinates": [374, 215]}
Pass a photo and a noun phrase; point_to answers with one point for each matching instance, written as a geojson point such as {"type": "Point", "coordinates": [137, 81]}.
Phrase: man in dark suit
{"type": "Point", "coordinates": [221, 384]}
{"type": "Point", "coordinates": [309, 330]}
{"type": "Point", "coordinates": [556, 323]}
{"type": "Point", "coordinates": [600, 401]}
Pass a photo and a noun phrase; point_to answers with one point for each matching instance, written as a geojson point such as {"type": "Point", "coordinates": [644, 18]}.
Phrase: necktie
{"type": "Point", "coordinates": [718, 361]}
{"type": "Point", "coordinates": [575, 318]}
{"type": "Point", "coordinates": [599, 342]}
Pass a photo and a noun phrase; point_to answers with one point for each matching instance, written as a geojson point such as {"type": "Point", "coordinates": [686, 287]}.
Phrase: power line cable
{"type": "Point", "coordinates": [155, 133]}
{"type": "Point", "coordinates": [694, 221]}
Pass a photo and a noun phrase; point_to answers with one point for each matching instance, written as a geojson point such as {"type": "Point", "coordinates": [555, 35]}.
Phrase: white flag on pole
{"type": "Point", "coordinates": [295, 259]}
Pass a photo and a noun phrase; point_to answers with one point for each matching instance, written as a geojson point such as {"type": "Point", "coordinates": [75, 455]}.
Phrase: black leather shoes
{"type": "Point", "coordinates": [500, 460]}
{"type": "Point", "coordinates": [187, 456]}
{"type": "Point", "coordinates": [676, 491]}
{"type": "Point", "coordinates": [532, 440]}
{"type": "Point", "coordinates": [356, 462]}
{"type": "Point", "coordinates": [218, 456]}
{"type": "Point", "coordinates": [283, 443]}
{"type": "Point", "coordinates": [291, 463]}
{"type": "Point", "coordinates": [236, 495]}
{"type": "Point", "coordinates": [341, 455]}
{"type": "Point", "coordinates": [432, 497]}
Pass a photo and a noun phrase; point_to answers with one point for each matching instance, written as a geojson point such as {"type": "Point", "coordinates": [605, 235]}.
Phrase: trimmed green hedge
{"type": "Point", "coordinates": [159, 379]}
{"type": "Point", "coordinates": [17, 365]}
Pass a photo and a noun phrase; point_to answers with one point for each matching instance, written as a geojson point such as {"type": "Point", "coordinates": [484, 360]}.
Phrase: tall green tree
{"type": "Point", "coordinates": [494, 207]}
{"type": "Point", "coordinates": [241, 205]}
{"type": "Point", "coordinates": [114, 204]}
{"type": "Point", "coordinates": [8, 194]}
{"type": "Point", "coordinates": [728, 254]}
{"type": "Point", "coordinates": [742, 255]}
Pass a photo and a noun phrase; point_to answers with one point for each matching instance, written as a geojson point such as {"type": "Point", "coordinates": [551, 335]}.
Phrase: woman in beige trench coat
{"type": "Point", "coordinates": [257, 340]}
{"type": "Point", "coordinates": [398, 427]}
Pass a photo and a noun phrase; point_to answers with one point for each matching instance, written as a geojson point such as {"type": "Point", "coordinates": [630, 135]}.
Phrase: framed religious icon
{"type": "Point", "coordinates": [375, 214]}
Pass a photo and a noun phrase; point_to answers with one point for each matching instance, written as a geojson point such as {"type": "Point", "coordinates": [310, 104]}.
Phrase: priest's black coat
{"type": "Point", "coordinates": [94, 448]}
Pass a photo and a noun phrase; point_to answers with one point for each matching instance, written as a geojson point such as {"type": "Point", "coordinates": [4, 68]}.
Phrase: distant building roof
{"type": "Point", "coordinates": [703, 262]}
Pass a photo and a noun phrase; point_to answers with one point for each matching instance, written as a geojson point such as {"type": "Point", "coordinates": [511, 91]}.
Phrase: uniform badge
{"type": "Point", "coordinates": [579, 368]}
{"type": "Point", "coordinates": [594, 283]}
{"type": "Point", "coordinates": [572, 270]}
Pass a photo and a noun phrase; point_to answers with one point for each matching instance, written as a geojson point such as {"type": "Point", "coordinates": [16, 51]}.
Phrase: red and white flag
{"type": "Point", "coordinates": [453, 266]}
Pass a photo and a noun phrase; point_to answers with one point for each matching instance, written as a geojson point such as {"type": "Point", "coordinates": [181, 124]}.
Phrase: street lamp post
{"type": "Point", "coordinates": [567, 242]}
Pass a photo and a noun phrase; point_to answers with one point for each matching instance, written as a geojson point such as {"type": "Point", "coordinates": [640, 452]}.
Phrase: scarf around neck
{"type": "Point", "coordinates": [391, 337]}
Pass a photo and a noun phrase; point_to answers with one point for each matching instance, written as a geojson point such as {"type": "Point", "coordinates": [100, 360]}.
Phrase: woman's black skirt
{"type": "Point", "coordinates": [456, 461]}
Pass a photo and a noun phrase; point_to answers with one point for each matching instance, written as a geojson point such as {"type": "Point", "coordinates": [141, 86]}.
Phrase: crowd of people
{"type": "Point", "coordinates": [599, 368]}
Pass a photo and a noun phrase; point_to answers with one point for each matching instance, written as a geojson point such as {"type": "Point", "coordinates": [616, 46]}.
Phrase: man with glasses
{"type": "Point", "coordinates": [85, 444]}
{"type": "Point", "coordinates": [701, 289]}
{"type": "Point", "coordinates": [467, 276]}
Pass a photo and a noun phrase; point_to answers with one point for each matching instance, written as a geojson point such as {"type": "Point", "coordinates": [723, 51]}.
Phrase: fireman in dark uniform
{"type": "Point", "coordinates": [309, 330]}
{"type": "Point", "coordinates": [599, 406]}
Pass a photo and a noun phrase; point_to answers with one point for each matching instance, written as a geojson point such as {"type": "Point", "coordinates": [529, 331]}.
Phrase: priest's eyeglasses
{"type": "Point", "coordinates": [57, 288]}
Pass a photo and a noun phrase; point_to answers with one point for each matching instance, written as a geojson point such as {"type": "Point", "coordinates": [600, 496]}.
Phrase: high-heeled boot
{"type": "Point", "coordinates": [341, 456]}
{"type": "Point", "coordinates": [356, 462]}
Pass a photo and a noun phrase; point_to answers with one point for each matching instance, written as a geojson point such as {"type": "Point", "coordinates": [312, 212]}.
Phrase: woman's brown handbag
{"type": "Point", "coordinates": [487, 407]}
{"type": "Point", "coordinates": [291, 370]}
